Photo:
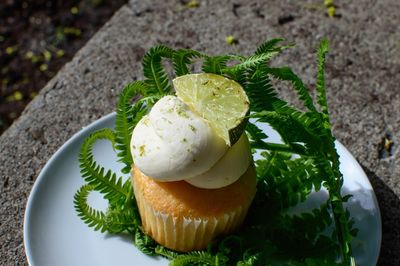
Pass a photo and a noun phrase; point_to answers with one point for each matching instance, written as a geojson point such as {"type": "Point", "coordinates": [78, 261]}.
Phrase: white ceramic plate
{"type": "Point", "coordinates": [54, 235]}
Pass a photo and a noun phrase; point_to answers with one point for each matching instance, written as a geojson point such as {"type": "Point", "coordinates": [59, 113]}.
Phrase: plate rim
{"type": "Point", "coordinates": [40, 178]}
{"type": "Point", "coordinates": [89, 129]}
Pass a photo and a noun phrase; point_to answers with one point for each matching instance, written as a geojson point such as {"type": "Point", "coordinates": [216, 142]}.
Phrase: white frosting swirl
{"type": "Point", "coordinates": [228, 169]}
{"type": "Point", "coordinates": [174, 143]}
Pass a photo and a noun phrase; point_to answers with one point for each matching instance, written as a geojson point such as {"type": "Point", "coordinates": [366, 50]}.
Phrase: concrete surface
{"type": "Point", "coordinates": [362, 77]}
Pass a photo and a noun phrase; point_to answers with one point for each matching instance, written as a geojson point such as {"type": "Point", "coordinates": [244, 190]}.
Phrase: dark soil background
{"type": "Point", "coordinates": [37, 38]}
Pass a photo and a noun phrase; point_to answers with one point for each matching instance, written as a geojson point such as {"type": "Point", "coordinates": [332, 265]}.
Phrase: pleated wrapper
{"type": "Point", "coordinates": [186, 233]}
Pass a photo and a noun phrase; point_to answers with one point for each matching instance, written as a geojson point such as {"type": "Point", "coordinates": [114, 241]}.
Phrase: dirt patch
{"type": "Point", "coordinates": [36, 39]}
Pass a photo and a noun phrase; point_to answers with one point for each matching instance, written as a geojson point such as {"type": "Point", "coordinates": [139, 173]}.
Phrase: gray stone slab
{"type": "Point", "coordinates": [362, 77]}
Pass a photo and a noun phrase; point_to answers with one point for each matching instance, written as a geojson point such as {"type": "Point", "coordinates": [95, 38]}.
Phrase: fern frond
{"type": "Point", "coordinates": [287, 74]}
{"type": "Point", "coordinates": [124, 122]}
{"type": "Point", "coordinates": [142, 107]}
{"type": "Point", "coordinates": [216, 64]}
{"type": "Point", "coordinates": [255, 133]}
{"type": "Point", "coordinates": [258, 140]}
{"type": "Point", "coordinates": [321, 96]}
{"type": "Point", "coordinates": [251, 261]}
{"type": "Point", "coordinates": [128, 116]}
{"type": "Point", "coordinates": [309, 227]}
{"type": "Point", "coordinates": [259, 89]}
{"type": "Point", "coordinates": [154, 72]}
{"type": "Point", "coordinates": [198, 258]}
{"type": "Point", "coordinates": [239, 76]}
{"type": "Point", "coordinates": [120, 220]}
{"type": "Point", "coordinates": [300, 140]}
{"type": "Point", "coordinates": [310, 121]}
{"type": "Point", "coordinates": [167, 253]}
{"type": "Point", "coordinates": [93, 218]}
{"type": "Point", "coordinates": [252, 61]}
{"type": "Point", "coordinates": [106, 183]}
{"type": "Point", "coordinates": [144, 243]}
{"type": "Point", "coordinates": [182, 58]}
{"type": "Point", "coordinates": [270, 45]}
{"type": "Point", "coordinates": [282, 181]}
{"type": "Point", "coordinates": [288, 128]}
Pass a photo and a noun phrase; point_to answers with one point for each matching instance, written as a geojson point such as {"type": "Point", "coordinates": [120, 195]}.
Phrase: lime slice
{"type": "Point", "coordinates": [219, 100]}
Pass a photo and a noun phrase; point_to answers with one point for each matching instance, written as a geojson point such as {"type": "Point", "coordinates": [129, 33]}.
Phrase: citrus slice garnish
{"type": "Point", "coordinates": [219, 100]}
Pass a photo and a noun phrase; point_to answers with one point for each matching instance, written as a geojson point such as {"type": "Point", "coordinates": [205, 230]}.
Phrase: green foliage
{"type": "Point", "coordinates": [113, 221]}
{"type": "Point", "coordinates": [104, 182]}
{"type": "Point", "coordinates": [323, 49]}
{"type": "Point", "coordinates": [124, 123]}
{"type": "Point", "coordinates": [269, 46]}
{"type": "Point", "coordinates": [255, 135]}
{"type": "Point", "coordinates": [120, 218]}
{"type": "Point", "coordinates": [121, 213]}
{"type": "Point", "coordinates": [286, 172]}
{"type": "Point", "coordinates": [275, 238]}
{"type": "Point", "coordinates": [202, 258]}
{"type": "Point", "coordinates": [182, 59]}
{"type": "Point", "coordinates": [285, 181]}
{"type": "Point", "coordinates": [93, 218]}
{"type": "Point", "coordinates": [165, 252]}
{"type": "Point", "coordinates": [128, 115]}
{"type": "Point", "coordinates": [259, 89]}
{"type": "Point", "coordinates": [253, 60]}
{"type": "Point", "coordinates": [145, 243]}
{"type": "Point", "coordinates": [216, 64]}
{"type": "Point", "coordinates": [286, 73]}
{"type": "Point", "coordinates": [156, 77]}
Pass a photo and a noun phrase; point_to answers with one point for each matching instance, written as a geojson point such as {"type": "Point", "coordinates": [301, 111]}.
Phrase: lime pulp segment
{"type": "Point", "coordinates": [219, 100]}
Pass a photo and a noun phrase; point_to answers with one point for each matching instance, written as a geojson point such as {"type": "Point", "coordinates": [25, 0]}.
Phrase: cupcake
{"type": "Point", "coordinates": [183, 217]}
{"type": "Point", "coordinates": [191, 184]}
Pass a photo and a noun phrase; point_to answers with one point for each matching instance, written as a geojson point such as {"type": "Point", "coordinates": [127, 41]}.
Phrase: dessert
{"type": "Point", "coordinates": [183, 217]}
{"type": "Point", "coordinates": [189, 184]}
{"type": "Point", "coordinates": [192, 173]}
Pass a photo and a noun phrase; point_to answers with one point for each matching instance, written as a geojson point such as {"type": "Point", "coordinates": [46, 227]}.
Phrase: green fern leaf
{"type": "Point", "coordinates": [255, 259]}
{"type": "Point", "coordinates": [119, 220]}
{"type": "Point", "coordinates": [239, 76]}
{"type": "Point", "coordinates": [128, 115]}
{"type": "Point", "coordinates": [255, 133]}
{"type": "Point", "coordinates": [133, 116]}
{"type": "Point", "coordinates": [310, 122]}
{"type": "Point", "coordinates": [283, 181]}
{"type": "Point", "coordinates": [95, 175]}
{"type": "Point", "coordinates": [323, 49]}
{"type": "Point", "coordinates": [259, 89]}
{"type": "Point", "coordinates": [167, 253]}
{"type": "Point", "coordinates": [124, 122]}
{"type": "Point", "coordinates": [286, 73]}
{"type": "Point", "coordinates": [252, 61]}
{"type": "Point", "coordinates": [198, 258]}
{"type": "Point", "coordinates": [270, 45]}
{"type": "Point", "coordinates": [93, 218]}
{"type": "Point", "coordinates": [154, 72]}
{"type": "Point", "coordinates": [217, 64]}
{"type": "Point", "coordinates": [181, 59]}
{"type": "Point", "coordinates": [258, 140]}
{"type": "Point", "coordinates": [263, 54]}
{"type": "Point", "coordinates": [289, 129]}
{"type": "Point", "coordinates": [144, 243]}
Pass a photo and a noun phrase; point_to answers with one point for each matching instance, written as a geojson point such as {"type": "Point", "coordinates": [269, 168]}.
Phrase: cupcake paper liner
{"type": "Point", "coordinates": [186, 233]}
